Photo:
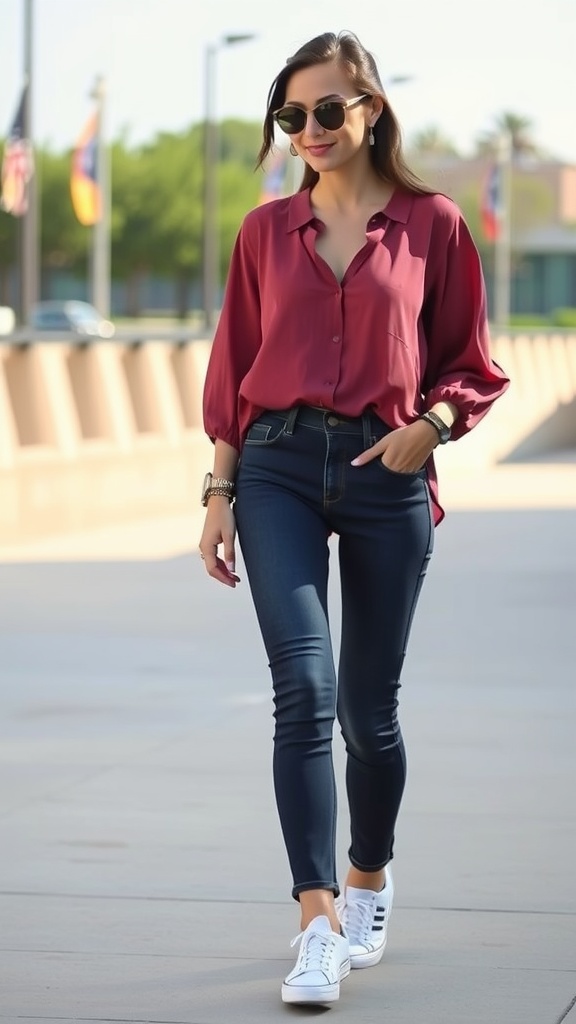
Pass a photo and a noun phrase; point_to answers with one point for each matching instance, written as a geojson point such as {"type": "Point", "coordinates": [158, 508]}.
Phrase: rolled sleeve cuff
{"type": "Point", "coordinates": [472, 406]}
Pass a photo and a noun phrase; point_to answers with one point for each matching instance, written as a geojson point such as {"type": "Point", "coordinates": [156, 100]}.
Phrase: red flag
{"type": "Point", "coordinates": [491, 204]}
{"type": "Point", "coordinates": [84, 184]}
{"type": "Point", "coordinates": [17, 165]}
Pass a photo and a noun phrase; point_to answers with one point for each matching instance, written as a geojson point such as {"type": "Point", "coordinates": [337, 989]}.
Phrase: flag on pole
{"type": "Point", "coordinates": [84, 184]}
{"type": "Point", "coordinates": [274, 178]}
{"type": "Point", "coordinates": [17, 165]}
{"type": "Point", "coordinates": [491, 204]}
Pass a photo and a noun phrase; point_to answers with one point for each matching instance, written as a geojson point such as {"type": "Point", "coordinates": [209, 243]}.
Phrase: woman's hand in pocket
{"type": "Point", "coordinates": [404, 450]}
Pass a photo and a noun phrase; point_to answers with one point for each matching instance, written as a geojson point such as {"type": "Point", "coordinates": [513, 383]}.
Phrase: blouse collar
{"type": "Point", "coordinates": [300, 211]}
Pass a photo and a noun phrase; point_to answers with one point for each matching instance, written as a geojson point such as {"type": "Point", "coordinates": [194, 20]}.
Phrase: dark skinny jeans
{"type": "Point", "coordinates": [295, 487]}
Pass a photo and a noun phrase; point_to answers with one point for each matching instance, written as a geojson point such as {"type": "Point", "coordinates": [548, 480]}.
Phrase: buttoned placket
{"type": "Point", "coordinates": [335, 327]}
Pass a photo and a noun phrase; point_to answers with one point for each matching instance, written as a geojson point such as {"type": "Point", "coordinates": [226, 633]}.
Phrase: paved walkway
{"type": "Point", "coordinates": [143, 875]}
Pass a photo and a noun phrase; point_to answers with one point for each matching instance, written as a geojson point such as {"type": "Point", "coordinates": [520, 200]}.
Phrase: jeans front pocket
{"type": "Point", "coordinates": [265, 431]}
{"type": "Point", "coordinates": [414, 475]}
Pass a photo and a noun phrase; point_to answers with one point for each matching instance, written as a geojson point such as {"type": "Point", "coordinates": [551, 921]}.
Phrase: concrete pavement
{"type": "Point", "coordinates": [143, 874]}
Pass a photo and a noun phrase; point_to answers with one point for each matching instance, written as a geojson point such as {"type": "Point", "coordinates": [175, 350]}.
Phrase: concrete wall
{"type": "Point", "coordinates": [99, 433]}
{"type": "Point", "coordinates": [107, 431]}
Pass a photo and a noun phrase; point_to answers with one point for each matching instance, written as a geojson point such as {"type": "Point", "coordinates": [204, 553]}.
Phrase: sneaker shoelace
{"type": "Point", "coordinates": [357, 919]}
{"type": "Point", "coordinates": [315, 951]}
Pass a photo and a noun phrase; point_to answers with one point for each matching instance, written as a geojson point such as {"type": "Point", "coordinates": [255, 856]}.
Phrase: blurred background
{"type": "Point", "coordinates": [131, 129]}
{"type": "Point", "coordinates": [133, 104]}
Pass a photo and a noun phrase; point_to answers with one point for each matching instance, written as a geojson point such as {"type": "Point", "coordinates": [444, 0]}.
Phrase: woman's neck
{"type": "Point", "coordinates": [345, 191]}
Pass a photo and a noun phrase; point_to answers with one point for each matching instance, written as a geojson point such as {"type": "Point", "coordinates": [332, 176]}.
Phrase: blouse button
{"type": "Point", "coordinates": [336, 339]}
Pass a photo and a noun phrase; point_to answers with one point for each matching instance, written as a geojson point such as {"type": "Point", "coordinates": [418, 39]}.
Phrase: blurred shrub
{"type": "Point", "coordinates": [565, 317]}
{"type": "Point", "coordinates": [529, 320]}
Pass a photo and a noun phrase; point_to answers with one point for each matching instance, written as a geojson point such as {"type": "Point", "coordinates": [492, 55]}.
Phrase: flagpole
{"type": "Point", "coordinates": [100, 261]}
{"type": "Point", "coordinates": [29, 255]}
{"type": "Point", "coordinates": [502, 243]}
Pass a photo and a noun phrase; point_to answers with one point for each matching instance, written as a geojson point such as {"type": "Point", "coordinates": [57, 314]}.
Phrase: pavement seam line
{"type": "Point", "coordinates": [26, 894]}
{"type": "Point", "coordinates": [99, 954]}
{"type": "Point", "coordinates": [565, 1013]}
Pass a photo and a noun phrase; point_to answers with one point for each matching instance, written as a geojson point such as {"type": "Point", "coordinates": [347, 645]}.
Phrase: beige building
{"type": "Point", "coordinates": [543, 226]}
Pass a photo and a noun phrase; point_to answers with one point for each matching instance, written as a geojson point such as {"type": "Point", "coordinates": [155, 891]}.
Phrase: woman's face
{"type": "Point", "coordinates": [322, 149]}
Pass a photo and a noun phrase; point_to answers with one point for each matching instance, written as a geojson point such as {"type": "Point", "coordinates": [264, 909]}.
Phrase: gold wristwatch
{"type": "Point", "coordinates": [217, 485]}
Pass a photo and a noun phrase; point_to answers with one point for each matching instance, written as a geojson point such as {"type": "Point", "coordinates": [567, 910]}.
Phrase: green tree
{"type": "Point", "coordinates": [239, 191]}
{"type": "Point", "coordinates": [64, 242]}
{"type": "Point", "coordinates": [131, 223]}
{"type": "Point", "coordinates": [156, 209]}
{"type": "Point", "coordinates": [431, 141]}
{"type": "Point", "coordinates": [239, 141]}
{"type": "Point", "coordinates": [8, 253]}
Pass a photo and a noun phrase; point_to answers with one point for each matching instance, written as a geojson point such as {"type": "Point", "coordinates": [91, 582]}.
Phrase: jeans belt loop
{"type": "Point", "coordinates": [367, 429]}
{"type": "Point", "coordinates": [291, 420]}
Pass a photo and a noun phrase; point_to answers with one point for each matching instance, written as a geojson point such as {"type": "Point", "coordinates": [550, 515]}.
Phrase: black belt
{"type": "Point", "coordinates": [367, 425]}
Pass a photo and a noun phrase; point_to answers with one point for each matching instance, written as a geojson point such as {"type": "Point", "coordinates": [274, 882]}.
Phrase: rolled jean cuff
{"type": "Point", "coordinates": [307, 886]}
{"type": "Point", "coordinates": [369, 868]}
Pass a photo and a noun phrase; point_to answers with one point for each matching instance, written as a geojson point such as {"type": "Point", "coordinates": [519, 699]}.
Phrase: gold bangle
{"type": "Point", "coordinates": [224, 492]}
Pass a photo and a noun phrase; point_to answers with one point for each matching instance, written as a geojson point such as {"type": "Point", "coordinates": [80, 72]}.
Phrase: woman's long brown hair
{"type": "Point", "coordinates": [346, 49]}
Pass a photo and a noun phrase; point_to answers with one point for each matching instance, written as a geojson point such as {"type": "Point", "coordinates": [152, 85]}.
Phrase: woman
{"type": "Point", "coordinates": [353, 339]}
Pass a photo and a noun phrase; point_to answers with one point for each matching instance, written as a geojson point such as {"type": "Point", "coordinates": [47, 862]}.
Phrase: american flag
{"type": "Point", "coordinates": [17, 165]}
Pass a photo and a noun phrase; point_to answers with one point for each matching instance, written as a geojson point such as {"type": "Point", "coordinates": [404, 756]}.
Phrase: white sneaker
{"type": "Point", "coordinates": [364, 916]}
{"type": "Point", "coordinates": [323, 961]}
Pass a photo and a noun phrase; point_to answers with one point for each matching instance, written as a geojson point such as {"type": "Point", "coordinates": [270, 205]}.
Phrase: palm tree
{"type": "Point", "coordinates": [519, 131]}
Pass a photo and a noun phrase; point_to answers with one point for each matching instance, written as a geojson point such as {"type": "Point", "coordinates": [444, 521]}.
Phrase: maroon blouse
{"type": "Point", "coordinates": [405, 328]}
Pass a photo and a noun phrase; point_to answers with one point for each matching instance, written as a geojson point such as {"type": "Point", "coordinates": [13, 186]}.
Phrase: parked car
{"type": "Point", "coordinates": [7, 320]}
{"type": "Point", "coordinates": [71, 316]}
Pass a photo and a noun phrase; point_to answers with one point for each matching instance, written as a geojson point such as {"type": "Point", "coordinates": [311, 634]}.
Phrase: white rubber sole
{"type": "Point", "coordinates": [316, 994]}
{"type": "Point", "coordinates": [366, 959]}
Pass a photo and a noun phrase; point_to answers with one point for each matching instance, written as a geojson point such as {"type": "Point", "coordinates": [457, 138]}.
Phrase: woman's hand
{"type": "Point", "coordinates": [404, 450]}
{"type": "Point", "coordinates": [219, 528]}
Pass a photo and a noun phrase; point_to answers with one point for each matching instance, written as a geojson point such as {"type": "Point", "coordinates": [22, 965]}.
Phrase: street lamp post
{"type": "Point", "coordinates": [29, 252]}
{"type": "Point", "coordinates": [399, 79]}
{"type": "Point", "coordinates": [210, 247]}
{"type": "Point", "coordinates": [100, 256]}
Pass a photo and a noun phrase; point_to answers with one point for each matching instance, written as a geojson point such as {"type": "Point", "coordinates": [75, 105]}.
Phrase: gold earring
{"type": "Point", "coordinates": [371, 139]}
{"type": "Point", "coordinates": [293, 150]}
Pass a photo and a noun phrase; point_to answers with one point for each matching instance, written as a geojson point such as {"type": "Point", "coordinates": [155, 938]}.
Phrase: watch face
{"type": "Point", "coordinates": [206, 484]}
{"type": "Point", "coordinates": [443, 430]}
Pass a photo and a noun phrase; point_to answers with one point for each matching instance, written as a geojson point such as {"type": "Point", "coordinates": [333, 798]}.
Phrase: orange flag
{"type": "Point", "coordinates": [84, 183]}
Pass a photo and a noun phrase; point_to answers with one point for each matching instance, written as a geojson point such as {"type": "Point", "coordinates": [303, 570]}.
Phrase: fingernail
{"type": "Point", "coordinates": [230, 566]}
{"type": "Point", "coordinates": [354, 462]}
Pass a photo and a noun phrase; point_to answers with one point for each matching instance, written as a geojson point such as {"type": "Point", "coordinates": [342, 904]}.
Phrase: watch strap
{"type": "Point", "coordinates": [442, 428]}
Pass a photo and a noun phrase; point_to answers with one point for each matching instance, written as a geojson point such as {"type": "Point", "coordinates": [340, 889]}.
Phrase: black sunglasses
{"type": "Point", "coordinates": [329, 115]}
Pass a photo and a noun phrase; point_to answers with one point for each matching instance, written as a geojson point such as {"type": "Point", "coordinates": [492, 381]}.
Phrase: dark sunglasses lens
{"type": "Point", "coordinates": [291, 120]}
{"type": "Point", "coordinates": [330, 116]}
